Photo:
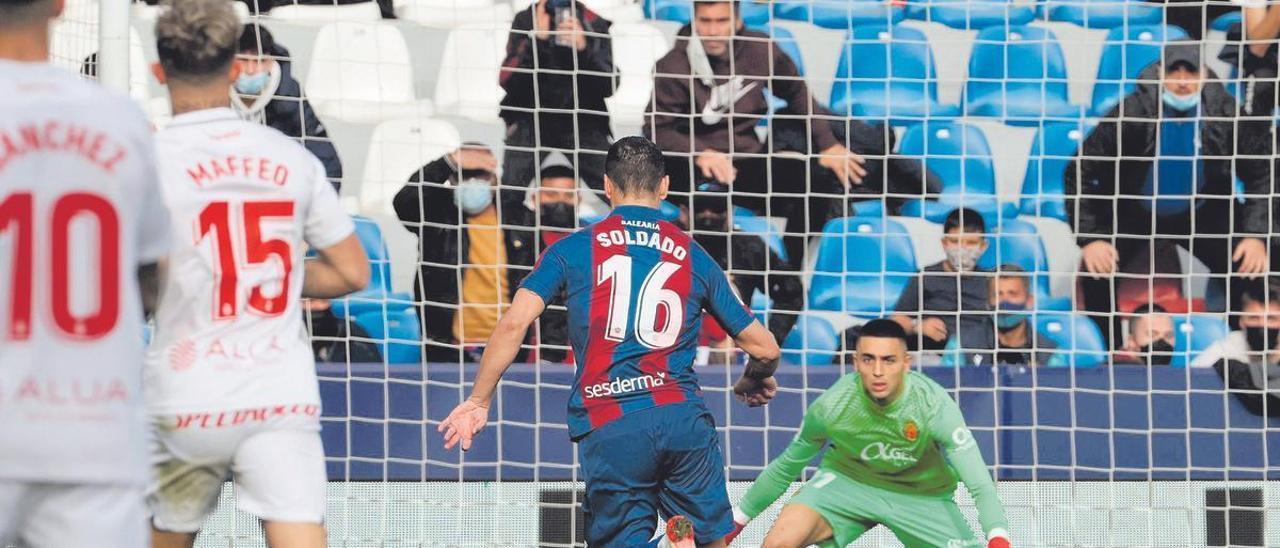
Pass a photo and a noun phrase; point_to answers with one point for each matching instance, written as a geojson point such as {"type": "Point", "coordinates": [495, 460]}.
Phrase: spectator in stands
{"type": "Point", "coordinates": [472, 255]}
{"type": "Point", "coordinates": [1163, 163]}
{"type": "Point", "coordinates": [1249, 357]}
{"type": "Point", "coordinates": [709, 97]}
{"type": "Point", "coordinates": [557, 73]}
{"type": "Point", "coordinates": [947, 307]}
{"type": "Point", "coordinates": [554, 209]}
{"type": "Point", "coordinates": [1014, 303]}
{"type": "Point", "coordinates": [1151, 337]}
{"type": "Point", "coordinates": [752, 264]}
{"type": "Point", "coordinates": [266, 92]}
{"type": "Point", "coordinates": [893, 179]}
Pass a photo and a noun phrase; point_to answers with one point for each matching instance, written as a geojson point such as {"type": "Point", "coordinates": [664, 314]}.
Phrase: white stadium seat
{"type": "Point", "coordinates": [397, 148]}
{"type": "Point", "coordinates": [364, 11]}
{"type": "Point", "coordinates": [361, 72]}
{"type": "Point", "coordinates": [467, 85]}
{"type": "Point", "coordinates": [448, 14]}
{"type": "Point", "coordinates": [636, 47]}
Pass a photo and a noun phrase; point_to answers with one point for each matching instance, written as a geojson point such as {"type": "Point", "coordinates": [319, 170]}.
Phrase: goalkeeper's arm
{"type": "Point", "coordinates": [777, 477]}
{"type": "Point", "coordinates": [962, 452]}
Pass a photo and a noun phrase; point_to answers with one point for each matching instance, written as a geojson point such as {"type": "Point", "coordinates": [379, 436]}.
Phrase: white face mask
{"type": "Point", "coordinates": [963, 259]}
{"type": "Point", "coordinates": [473, 195]}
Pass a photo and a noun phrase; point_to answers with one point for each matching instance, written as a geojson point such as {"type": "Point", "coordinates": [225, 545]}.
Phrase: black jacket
{"type": "Point", "coordinates": [752, 266]}
{"type": "Point", "coordinates": [896, 178]}
{"type": "Point", "coordinates": [426, 208]}
{"type": "Point", "coordinates": [1096, 179]}
{"type": "Point", "coordinates": [290, 113]}
{"type": "Point", "coordinates": [584, 90]}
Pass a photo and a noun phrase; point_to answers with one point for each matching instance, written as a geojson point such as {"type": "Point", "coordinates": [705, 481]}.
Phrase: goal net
{"type": "Point", "coordinates": [978, 105]}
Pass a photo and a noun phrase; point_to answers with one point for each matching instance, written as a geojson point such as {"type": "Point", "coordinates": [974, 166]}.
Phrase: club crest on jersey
{"type": "Point", "coordinates": [910, 431]}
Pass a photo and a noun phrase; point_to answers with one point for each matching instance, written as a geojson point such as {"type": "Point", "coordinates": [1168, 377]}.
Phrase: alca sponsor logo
{"type": "Point", "coordinates": [884, 452]}
{"type": "Point", "coordinates": [723, 97]}
{"type": "Point", "coordinates": [618, 387]}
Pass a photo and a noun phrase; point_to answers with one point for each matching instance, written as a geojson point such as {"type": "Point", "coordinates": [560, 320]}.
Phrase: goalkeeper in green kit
{"type": "Point", "coordinates": [898, 446]}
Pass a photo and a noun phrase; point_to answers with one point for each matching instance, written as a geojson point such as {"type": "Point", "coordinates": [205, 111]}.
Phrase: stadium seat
{"type": "Point", "coordinates": [396, 150]}
{"type": "Point", "coordinates": [1017, 243]}
{"type": "Point", "coordinates": [887, 72]}
{"type": "Point", "coordinates": [1102, 14]}
{"type": "Point", "coordinates": [747, 222]}
{"type": "Point", "coordinates": [839, 14]}
{"type": "Point", "coordinates": [448, 14]}
{"type": "Point", "coordinates": [397, 334]}
{"type": "Point", "coordinates": [1125, 54]}
{"type": "Point", "coordinates": [813, 341]}
{"type": "Point", "coordinates": [636, 47]}
{"type": "Point", "coordinates": [312, 13]}
{"type": "Point", "coordinates": [753, 12]}
{"type": "Point", "coordinates": [959, 154]}
{"type": "Point", "coordinates": [863, 263]}
{"type": "Point", "coordinates": [1223, 22]}
{"type": "Point", "coordinates": [1051, 152]}
{"type": "Point", "coordinates": [1075, 335]}
{"type": "Point", "coordinates": [972, 14]}
{"type": "Point", "coordinates": [361, 72]}
{"type": "Point", "coordinates": [467, 85]}
{"type": "Point", "coordinates": [377, 296]}
{"type": "Point", "coordinates": [1194, 334]}
{"type": "Point", "coordinates": [1019, 75]}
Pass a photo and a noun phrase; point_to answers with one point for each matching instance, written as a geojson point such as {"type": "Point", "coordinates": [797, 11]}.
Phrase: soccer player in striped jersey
{"type": "Point", "coordinates": [635, 287]}
{"type": "Point", "coordinates": [898, 443]}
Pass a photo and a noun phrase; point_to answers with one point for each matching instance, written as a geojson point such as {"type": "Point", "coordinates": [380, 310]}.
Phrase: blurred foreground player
{"type": "Point", "coordinates": [635, 287]}
{"type": "Point", "coordinates": [80, 215]}
{"type": "Point", "coordinates": [898, 444]}
{"type": "Point", "coordinates": [230, 377]}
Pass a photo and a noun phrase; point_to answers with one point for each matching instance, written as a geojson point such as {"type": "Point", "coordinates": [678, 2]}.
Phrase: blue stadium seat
{"type": "Point", "coordinates": [1194, 334]}
{"type": "Point", "coordinates": [1126, 53]}
{"type": "Point", "coordinates": [1102, 14]}
{"type": "Point", "coordinates": [972, 14]}
{"type": "Point", "coordinates": [1017, 242]}
{"type": "Point", "coordinates": [813, 341]}
{"type": "Point", "coordinates": [1075, 335]}
{"type": "Point", "coordinates": [753, 13]}
{"type": "Point", "coordinates": [1051, 152]}
{"type": "Point", "coordinates": [935, 211]}
{"type": "Point", "coordinates": [1224, 21]}
{"type": "Point", "coordinates": [862, 266]}
{"type": "Point", "coordinates": [1018, 74]}
{"type": "Point", "coordinates": [888, 72]}
{"type": "Point", "coordinates": [377, 295]}
{"type": "Point", "coordinates": [396, 333]}
{"type": "Point", "coordinates": [839, 14]}
{"type": "Point", "coordinates": [956, 152]}
{"type": "Point", "coordinates": [746, 221]}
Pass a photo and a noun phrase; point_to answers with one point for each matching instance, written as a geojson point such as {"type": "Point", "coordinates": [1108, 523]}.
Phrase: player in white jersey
{"type": "Point", "coordinates": [80, 223]}
{"type": "Point", "coordinates": [230, 378]}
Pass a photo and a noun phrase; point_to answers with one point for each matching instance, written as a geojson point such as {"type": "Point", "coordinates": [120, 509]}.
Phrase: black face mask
{"type": "Point", "coordinates": [709, 223]}
{"type": "Point", "coordinates": [557, 215]}
{"type": "Point", "coordinates": [1261, 339]}
{"type": "Point", "coordinates": [1158, 353]}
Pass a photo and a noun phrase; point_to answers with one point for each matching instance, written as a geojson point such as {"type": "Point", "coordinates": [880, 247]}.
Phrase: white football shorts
{"type": "Point", "coordinates": [58, 515]}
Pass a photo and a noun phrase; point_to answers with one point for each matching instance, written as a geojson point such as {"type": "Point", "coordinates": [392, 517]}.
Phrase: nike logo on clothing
{"type": "Point", "coordinates": [723, 97]}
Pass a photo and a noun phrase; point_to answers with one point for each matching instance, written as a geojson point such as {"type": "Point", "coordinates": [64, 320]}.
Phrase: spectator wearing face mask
{"type": "Point", "coordinates": [554, 209]}
{"type": "Point", "coordinates": [266, 93]}
{"type": "Point", "coordinates": [1017, 342]}
{"type": "Point", "coordinates": [1248, 358]}
{"type": "Point", "coordinates": [947, 307]}
{"type": "Point", "coordinates": [473, 252]}
{"type": "Point", "coordinates": [1150, 338]}
{"type": "Point", "coordinates": [1163, 163]}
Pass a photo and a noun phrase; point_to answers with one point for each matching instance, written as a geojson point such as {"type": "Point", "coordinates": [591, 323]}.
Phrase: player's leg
{"type": "Point", "coordinates": [63, 515]}
{"type": "Point", "coordinates": [618, 467]}
{"type": "Point", "coordinates": [922, 521]}
{"type": "Point", "coordinates": [829, 510]}
{"type": "Point", "coordinates": [280, 479]}
{"type": "Point", "coordinates": [693, 469]}
{"type": "Point", "coordinates": [183, 492]}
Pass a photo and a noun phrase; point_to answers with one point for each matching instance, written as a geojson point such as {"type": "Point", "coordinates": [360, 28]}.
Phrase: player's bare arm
{"type": "Point", "coordinates": [757, 385]}
{"type": "Point", "coordinates": [469, 417]}
{"type": "Point", "coordinates": [337, 270]}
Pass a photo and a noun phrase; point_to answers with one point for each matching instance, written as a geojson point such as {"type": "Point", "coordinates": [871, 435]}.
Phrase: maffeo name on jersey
{"type": "Point", "coordinates": [213, 170]}
{"type": "Point", "coordinates": [642, 238]}
{"type": "Point", "coordinates": [54, 136]}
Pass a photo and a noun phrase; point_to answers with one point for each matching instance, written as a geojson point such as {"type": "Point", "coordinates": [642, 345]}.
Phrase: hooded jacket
{"type": "Point", "coordinates": [1116, 158]}
{"type": "Point", "coordinates": [715, 122]}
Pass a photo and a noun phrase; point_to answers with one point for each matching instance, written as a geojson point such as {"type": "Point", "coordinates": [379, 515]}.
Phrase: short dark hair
{"type": "Point", "coordinates": [557, 172]}
{"type": "Point", "coordinates": [257, 39]}
{"type": "Point", "coordinates": [965, 219]}
{"type": "Point", "coordinates": [196, 40]}
{"type": "Point", "coordinates": [1145, 310]}
{"type": "Point", "coordinates": [735, 4]}
{"type": "Point", "coordinates": [22, 12]}
{"type": "Point", "coordinates": [635, 165]}
{"type": "Point", "coordinates": [885, 329]}
{"type": "Point", "coordinates": [1010, 270]}
{"type": "Point", "coordinates": [1263, 291]}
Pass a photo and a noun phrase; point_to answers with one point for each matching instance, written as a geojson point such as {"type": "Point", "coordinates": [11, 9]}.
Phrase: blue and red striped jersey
{"type": "Point", "coordinates": [635, 287]}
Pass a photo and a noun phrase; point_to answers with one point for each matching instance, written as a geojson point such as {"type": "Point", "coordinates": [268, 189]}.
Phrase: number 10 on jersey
{"type": "Point", "coordinates": [653, 295]}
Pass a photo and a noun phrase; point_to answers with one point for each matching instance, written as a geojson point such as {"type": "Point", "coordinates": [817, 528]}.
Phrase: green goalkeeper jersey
{"type": "Point", "coordinates": [918, 444]}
